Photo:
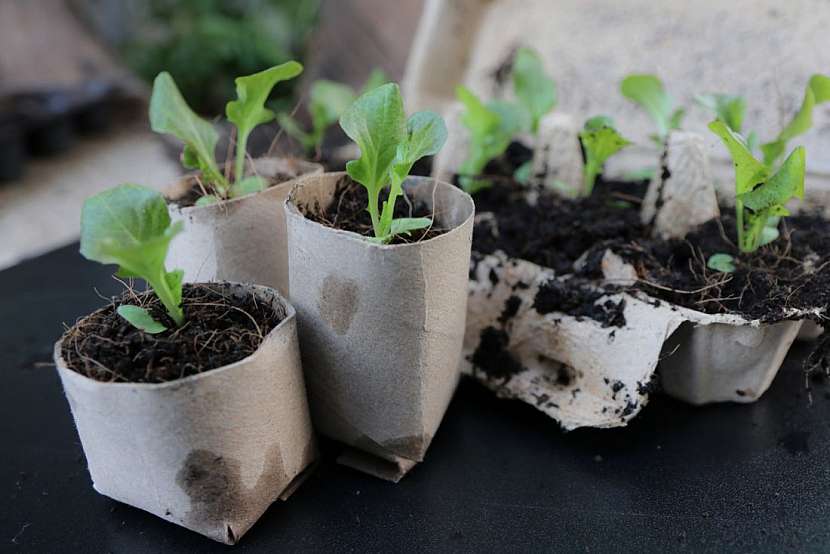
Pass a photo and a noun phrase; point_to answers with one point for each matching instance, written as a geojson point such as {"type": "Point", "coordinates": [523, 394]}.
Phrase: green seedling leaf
{"type": "Point", "coordinates": [524, 172]}
{"type": "Point", "coordinates": [170, 114]}
{"type": "Point", "coordinates": [248, 110]}
{"type": "Point", "coordinates": [749, 172]}
{"type": "Point", "coordinates": [248, 185]}
{"type": "Point", "coordinates": [375, 79]}
{"type": "Point", "coordinates": [787, 183]}
{"type": "Point", "coordinates": [600, 141]}
{"type": "Point", "coordinates": [642, 174]}
{"type": "Point", "coordinates": [535, 91]}
{"type": "Point", "coordinates": [759, 197]}
{"type": "Point", "coordinates": [648, 91]}
{"type": "Point", "coordinates": [728, 108]}
{"type": "Point", "coordinates": [140, 318]}
{"type": "Point", "coordinates": [723, 263]}
{"type": "Point", "coordinates": [817, 92]}
{"type": "Point", "coordinates": [426, 133]}
{"type": "Point", "coordinates": [405, 225]}
{"type": "Point", "coordinates": [376, 122]}
{"type": "Point", "coordinates": [129, 226]}
{"type": "Point", "coordinates": [492, 127]}
{"type": "Point", "coordinates": [207, 200]}
{"type": "Point", "coordinates": [292, 127]}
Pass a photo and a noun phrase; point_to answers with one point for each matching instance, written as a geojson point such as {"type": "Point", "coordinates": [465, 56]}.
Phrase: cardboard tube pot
{"type": "Point", "coordinates": [242, 239]}
{"type": "Point", "coordinates": [382, 326]}
{"type": "Point", "coordinates": [209, 452]}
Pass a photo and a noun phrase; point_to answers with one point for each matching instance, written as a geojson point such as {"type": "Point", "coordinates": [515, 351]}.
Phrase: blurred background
{"type": "Point", "coordinates": [75, 80]}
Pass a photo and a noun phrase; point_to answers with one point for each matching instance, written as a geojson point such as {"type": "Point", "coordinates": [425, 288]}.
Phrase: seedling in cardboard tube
{"type": "Point", "coordinates": [327, 102]}
{"type": "Point", "coordinates": [648, 91]}
{"type": "Point", "coordinates": [760, 194]}
{"type": "Point", "coordinates": [170, 114]}
{"type": "Point", "coordinates": [600, 140]}
{"type": "Point", "coordinates": [129, 226]}
{"type": "Point", "coordinates": [390, 144]}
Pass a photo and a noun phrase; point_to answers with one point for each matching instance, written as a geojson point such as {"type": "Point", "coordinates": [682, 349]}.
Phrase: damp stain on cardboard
{"type": "Point", "coordinates": [219, 500]}
{"type": "Point", "coordinates": [338, 302]}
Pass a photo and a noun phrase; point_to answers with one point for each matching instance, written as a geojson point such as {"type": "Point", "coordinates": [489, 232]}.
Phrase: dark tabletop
{"type": "Point", "coordinates": [498, 477]}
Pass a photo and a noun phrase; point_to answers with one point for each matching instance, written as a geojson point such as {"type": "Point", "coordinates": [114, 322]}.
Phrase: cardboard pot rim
{"type": "Point", "coordinates": [293, 211]}
{"type": "Point", "coordinates": [305, 168]}
{"type": "Point", "coordinates": [290, 314]}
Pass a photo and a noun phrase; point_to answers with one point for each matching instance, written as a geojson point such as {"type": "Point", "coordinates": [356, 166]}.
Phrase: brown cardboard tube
{"type": "Point", "coordinates": [242, 239]}
{"type": "Point", "coordinates": [209, 452]}
{"type": "Point", "coordinates": [381, 325]}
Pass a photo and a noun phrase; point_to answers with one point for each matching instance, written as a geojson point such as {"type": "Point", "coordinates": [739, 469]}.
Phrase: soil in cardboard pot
{"type": "Point", "coordinates": [200, 189]}
{"type": "Point", "coordinates": [223, 325]}
{"type": "Point", "coordinates": [791, 273]}
{"type": "Point", "coordinates": [347, 212]}
{"type": "Point", "coordinates": [555, 231]}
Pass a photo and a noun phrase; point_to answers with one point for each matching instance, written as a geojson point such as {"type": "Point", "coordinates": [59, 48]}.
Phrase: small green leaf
{"type": "Point", "coordinates": [376, 122]}
{"type": "Point", "coordinates": [294, 130]}
{"type": "Point", "coordinates": [769, 234]}
{"type": "Point", "coordinates": [170, 114]}
{"type": "Point", "coordinates": [248, 185]}
{"type": "Point", "coordinates": [207, 200]}
{"type": "Point", "coordinates": [600, 141]}
{"type": "Point", "coordinates": [648, 91]}
{"type": "Point", "coordinates": [405, 225]}
{"type": "Point", "coordinates": [642, 174]}
{"type": "Point", "coordinates": [491, 128]}
{"type": "Point", "coordinates": [534, 89]}
{"type": "Point", "coordinates": [248, 110]}
{"type": "Point", "coordinates": [723, 263]}
{"type": "Point", "coordinates": [749, 172]}
{"type": "Point", "coordinates": [129, 226]}
{"type": "Point", "coordinates": [817, 92]}
{"type": "Point", "coordinates": [140, 318]}
{"type": "Point", "coordinates": [787, 183]}
{"type": "Point", "coordinates": [375, 79]}
{"type": "Point", "coordinates": [728, 108]}
{"type": "Point", "coordinates": [524, 173]}
{"type": "Point", "coordinates": [327, 102]}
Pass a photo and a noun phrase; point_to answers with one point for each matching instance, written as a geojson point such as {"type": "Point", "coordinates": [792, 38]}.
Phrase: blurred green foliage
{"type": "Point", "coordinates": [205, 44]}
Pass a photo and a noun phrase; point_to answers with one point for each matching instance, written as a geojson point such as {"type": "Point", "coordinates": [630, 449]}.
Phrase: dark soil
{"type": "Point", "coordinates": [579, 300]}
{"type": "Point", "coordinates": [492, 355]}
{"type": "Point", "coordinates": [223, 325]}
{"type": "Point", "coordinates": [195, 192]}
{"type": "Point", "coordinates": [792, 272]}
{"type": "Point", "coordinates": [347, 211]}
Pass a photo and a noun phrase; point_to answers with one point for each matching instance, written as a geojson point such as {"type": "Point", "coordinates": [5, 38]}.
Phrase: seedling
{"type": "Point", "coordinates": [648, 91]}
{"type": "Point", "coordinates": [170, 114]}
{"type": "Point", "coordinates": [730, 109]}
{"type": "Point", "coordinates": [327, 102]}
{"type": "Point", "coordinates": [600, 141]}
{"type": "Point", "coordinates": [535, 91]}
{"type": "Point", "coordinates": [760, 194]}
{"type": "Point", "coordinates": [390, 144]}
{"type": "Point", "coordinates": [129, 226]}
{"type": "Point", "coordinates": [492, 126]}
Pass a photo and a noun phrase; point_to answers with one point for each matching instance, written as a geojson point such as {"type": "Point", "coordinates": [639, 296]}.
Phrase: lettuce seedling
{"type": "Point", "coordinates": [817, 92]}
{"type": "Point", "coordinates": [170, 114]}
{"type": "Point", "coordinates": [535, 91]}
{"type": "Point", "coordinates": [600, 141]}
{"type": "Point", "coordinates": [327, 102]}
{"type": "Point", "coordinates": [760, 194]}
{"type": "Point", "coordinates": [648, 91]}
{"type": "Point", "coordinates": [492, 126]}
{"type": "Point", "coordinates": [129, 226]}
{"type": "Point", "coordinates": [390, 144]}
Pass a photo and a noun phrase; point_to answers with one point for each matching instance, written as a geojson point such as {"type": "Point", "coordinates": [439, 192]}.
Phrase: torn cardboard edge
{"type": "Point", "coordinates": [583, 374]}
{"type": "Point", "coordinates": [380, 374]}
{"type": "Point", "coordinates": [211, 451]}
{"type": "Point", "coordinates": [240, 239]}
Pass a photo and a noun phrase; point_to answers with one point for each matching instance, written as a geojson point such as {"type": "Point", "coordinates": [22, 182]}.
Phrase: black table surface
{"type": "Point", "coordinates": [499, 476]}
